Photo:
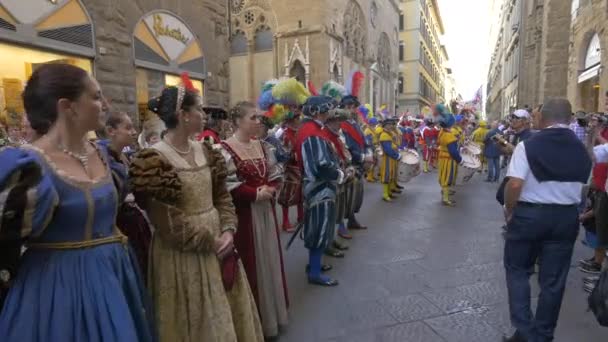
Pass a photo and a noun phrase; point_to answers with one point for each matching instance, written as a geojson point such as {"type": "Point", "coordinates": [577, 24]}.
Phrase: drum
{"type": "Point", "coordinates": [471, 148]}
{"type": "Point", "coordinates": [409, 166]}
{"type": "Point", "coordinates": [468, 168]}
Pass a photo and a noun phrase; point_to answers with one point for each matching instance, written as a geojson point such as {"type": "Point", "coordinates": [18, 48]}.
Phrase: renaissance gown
{"type": "Point", "coordinates": [78, 279]}
{"type": "Point", "coordinates": [257, 238]}
{"type": "Point", "coordinates": [190, 207]}
{"type": "Point", "coordinates": [131, 220]}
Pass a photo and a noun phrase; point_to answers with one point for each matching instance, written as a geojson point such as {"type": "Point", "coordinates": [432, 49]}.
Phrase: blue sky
{"type": "Point", "coordinates": [467, 27]}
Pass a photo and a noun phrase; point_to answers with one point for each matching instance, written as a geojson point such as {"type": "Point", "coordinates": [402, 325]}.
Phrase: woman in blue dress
{"type": "Point", "coordinates": [77, 280]}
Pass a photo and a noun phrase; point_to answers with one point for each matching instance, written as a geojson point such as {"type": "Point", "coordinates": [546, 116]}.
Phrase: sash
{"type": "Point", "coordinates": [353, 133]}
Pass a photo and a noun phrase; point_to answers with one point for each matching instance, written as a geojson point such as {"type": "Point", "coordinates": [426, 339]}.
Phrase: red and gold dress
{"type": "Point", "coordinates": [257, 238]}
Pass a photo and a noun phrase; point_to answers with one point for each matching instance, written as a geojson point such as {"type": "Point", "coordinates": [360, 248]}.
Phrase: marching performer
{"type": "Point", "coordinates": [288, 94]}
{"type": "Point", "coordinates": [434, 136]}
{"type": "Point", "coordinates": [449, 156]}
{"type": "Point", "coordinates": [426, 143]}
{"type": "Point", "coordinates": [397, 141]}
{"type": "Point", "coordinates": [213, 126]}
{"type": "Point", "coordinates": [371, 139]}
{"type": "Point", "coordinates": [390, 158]}
{"type": "Point", "coordinates": [479, 136]}
{"type": "Point", "coordinates": [361, 154]}
{"type": "Point", "coordinates": [321, 174]}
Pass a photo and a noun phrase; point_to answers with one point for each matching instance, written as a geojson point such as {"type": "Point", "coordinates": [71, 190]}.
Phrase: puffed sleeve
{"type": "Point", "coordinates": [157, 188]}
{"type": "Point", "coordinates": [27, 196]}
{"type": "Point", "coordinates": [222, 201]}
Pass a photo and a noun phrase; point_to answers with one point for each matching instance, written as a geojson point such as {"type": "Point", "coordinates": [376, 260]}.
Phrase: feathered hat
{"type": "Point", "coordinates": [318, 104]}
{"type": "Point", "coordinates": [366, 112]}
{"type": "Point", "coordinates": [290, 92]}
{"type": "Point", "coordinates": [334, 90]}
{"type": "Point", "coordinates": [352, 87]}
{"type": "Point", "coordinates": [444, 118]}
{"type": "Point", "coordinates": [274, 111]}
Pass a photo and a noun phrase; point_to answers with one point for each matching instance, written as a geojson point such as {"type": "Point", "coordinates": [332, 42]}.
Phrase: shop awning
{"type": "Point", "coordinates": [589, 73]}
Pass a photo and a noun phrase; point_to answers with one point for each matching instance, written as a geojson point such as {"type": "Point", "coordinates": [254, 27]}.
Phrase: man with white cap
{"type": "Point", "coordinates": [547, 173]}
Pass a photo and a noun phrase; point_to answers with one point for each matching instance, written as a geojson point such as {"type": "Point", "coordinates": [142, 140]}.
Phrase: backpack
{"type": "Point", "coordinates": [598, 300]}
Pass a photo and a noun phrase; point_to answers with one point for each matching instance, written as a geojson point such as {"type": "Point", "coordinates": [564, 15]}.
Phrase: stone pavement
{"type": "Point", "coordinates": [422, 273]}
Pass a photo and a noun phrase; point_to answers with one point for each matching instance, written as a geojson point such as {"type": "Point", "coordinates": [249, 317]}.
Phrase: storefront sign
{"type": "Point", "coordinates": [161, 29]}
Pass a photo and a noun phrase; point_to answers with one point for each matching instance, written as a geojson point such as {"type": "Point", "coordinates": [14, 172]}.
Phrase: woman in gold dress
{"type": "Point", "coordinates": [198, 285]}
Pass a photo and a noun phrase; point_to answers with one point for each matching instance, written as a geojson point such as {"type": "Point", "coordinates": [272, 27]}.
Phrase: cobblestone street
{"type": "Point", "coordinates": [423, 273]}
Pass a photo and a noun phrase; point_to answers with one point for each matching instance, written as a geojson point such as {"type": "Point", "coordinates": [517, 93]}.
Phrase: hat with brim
{"type": "Point", "coordinates": [318, 104]}
{"type": "Point", "coordinates": [521, 114]}
{"type": "Point", "coordinates": [349, 100]}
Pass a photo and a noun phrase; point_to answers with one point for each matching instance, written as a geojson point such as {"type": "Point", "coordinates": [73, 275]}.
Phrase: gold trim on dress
{"type": "Point", "coordinates": [79, 244]}
{"type": "Point", "coordinates": [30, 208]}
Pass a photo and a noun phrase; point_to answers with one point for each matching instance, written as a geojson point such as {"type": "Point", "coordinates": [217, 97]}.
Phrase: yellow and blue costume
{"type": "Point", "coordinates": [389, 161]}
{"type": "Point", "coordinates": [449, 156]}
{"type": "Point", "coordinates": [479, 137]}
{"type": "Point", "coordinates": [397, 141]}
{"type": "Point", "coordinates": [377, 131]}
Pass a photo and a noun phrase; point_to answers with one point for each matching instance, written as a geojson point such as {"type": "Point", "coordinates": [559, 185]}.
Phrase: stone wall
{"type": "Point", "coordinates": [591, 19]}
{"type": "Point", "coordinates": [531, 41]}
{"type": "Point", "coordinates": [114, 23]}
{"type": "Point", "coordinates": [554, 47]}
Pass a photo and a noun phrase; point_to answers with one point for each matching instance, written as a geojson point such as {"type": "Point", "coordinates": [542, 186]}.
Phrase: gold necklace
{"type": "Point", "coordinates": [177, 150]}
{"type": "Point", "coordinates": [250, 158]}
{"type": "Point", "coordinates": [82, 158]}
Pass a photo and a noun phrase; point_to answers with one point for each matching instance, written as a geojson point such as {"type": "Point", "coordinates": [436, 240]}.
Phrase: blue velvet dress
{"type": "Point", "coordinates": [77, 281]}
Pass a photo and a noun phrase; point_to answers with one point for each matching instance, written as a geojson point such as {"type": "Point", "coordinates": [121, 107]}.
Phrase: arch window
{"type": "Point", "coordinates": [298, 71]}
{"type": "Point", "coordinates": [263, 39]}
{"type": "Point", "coordinates": [238, 45]}
{"type": "Point", "coordinates": [355, 32]}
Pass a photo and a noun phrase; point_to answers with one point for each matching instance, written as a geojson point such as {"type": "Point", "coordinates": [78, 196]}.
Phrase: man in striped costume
{"type": "Point", "coordinates": [321, 174]}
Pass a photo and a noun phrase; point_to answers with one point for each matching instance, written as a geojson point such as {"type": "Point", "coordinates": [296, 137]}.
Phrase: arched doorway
{"type": "Point", "coordinates": [588, 79]}
{"type": "Point", "coordinates": [297, 70]}
{"type": "Point", "coordinates": [336, 73]}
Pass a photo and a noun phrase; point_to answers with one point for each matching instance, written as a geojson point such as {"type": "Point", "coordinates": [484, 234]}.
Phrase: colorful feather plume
{"type": "Point", "coordinates": [276, 114]}
{"type": "Point", "coordinates": [366, 112]}
{"type": "Point", "coordinates": [187, 82]}
{"type": "Point", "coordinates": [333, 90]}
{"type": "Point", "coordinates": [266, 100]}
{"type": "Point", "coordinates": [311, 88]}
{"type": "Point", "coordinates": [268, 85]}
{"type": "Point", "coordinates": [290, 92]}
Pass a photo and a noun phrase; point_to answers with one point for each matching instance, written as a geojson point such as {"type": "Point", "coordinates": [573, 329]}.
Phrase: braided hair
{"type": "Point", "coordinates": [165, 106]}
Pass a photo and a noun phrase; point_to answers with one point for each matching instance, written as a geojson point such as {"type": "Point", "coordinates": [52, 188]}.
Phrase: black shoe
{"type": "Point", "coordinates": [324, 268]}
{"type": "Point", "coordinates": [323, 282]}
{"type": "Point", "coordinates": [589, 287]}
{"type": "Point", "coordinates": [340, 246]}
{"type": "Point", "coordinates": [584, 262]}
{"type": "Point", "coordinates": [592, 268]}
{"type": "Point", "coordinates": [591, 279]}
{"type": "Point", "coordinates": [517, 337]}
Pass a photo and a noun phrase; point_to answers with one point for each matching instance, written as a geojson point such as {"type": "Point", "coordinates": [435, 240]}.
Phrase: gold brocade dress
{"type": "Point", "coordinates": [189, 207]}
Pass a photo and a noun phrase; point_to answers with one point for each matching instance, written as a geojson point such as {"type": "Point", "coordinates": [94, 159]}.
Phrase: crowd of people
{"type": "Point", "coordinates": [173, 234]}
{"type": "Point", "coordinates": [115, 234]}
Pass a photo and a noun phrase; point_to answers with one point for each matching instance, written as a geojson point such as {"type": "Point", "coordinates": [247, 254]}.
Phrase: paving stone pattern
{"type": "Point", "coordinates": [422, 273]}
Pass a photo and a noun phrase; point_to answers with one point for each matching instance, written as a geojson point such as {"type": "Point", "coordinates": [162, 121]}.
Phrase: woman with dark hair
{"type": "Point", "coordinates": [253, 184]}
{"type": "Point", "coordinates": [199, 289]}
{"type": "Point", "coordinates": [121, 134]}
{"type": "Point", "coordinates": [76, 281]}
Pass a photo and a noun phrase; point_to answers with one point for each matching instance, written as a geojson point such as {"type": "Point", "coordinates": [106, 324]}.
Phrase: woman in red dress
{"type": "Point", "coordinates": [253, 184]}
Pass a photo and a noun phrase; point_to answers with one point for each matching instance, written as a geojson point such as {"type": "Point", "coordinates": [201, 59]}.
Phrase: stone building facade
{"type": "Point", "coordinates": [587, 79]}
{"type": "Point", "coordinates": [422, 57]}
{"type": "Point", "coordinates": [554, 36]}
{"type": "Point", "coordinates": [503, 76]}
{"type": "Point", "coordinates": [133, 48]}
{"type": "Point", "coordinates": [314, 41]}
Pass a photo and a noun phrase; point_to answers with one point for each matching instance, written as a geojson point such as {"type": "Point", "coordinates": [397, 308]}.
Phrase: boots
{"type": "Point", "coordinates": [445, 197]}
{"type": "Point", "coordinates": [394, 188]}
{"type": "Point", "coordinates": [386, 196]}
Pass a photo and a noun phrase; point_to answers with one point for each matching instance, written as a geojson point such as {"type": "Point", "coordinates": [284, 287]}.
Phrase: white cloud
{"type": "Point", "coordinates": [467, 28]}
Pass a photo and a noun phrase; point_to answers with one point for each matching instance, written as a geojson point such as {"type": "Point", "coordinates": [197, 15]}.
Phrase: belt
{"type": "Point", "coordinates": [546, 205]}
{"type": "Point", "coordinates": [78, 244]}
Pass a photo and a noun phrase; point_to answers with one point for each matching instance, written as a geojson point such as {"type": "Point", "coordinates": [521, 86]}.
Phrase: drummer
{"type": "Point", "coordinates": [390, 158]}
{"type": "Point", "coordinates": [449, 156]}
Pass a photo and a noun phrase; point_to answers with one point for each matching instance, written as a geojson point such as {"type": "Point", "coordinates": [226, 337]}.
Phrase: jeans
{"type": "Point", "coordinates": [548, 234]}
{"type": "Point", "coordinates": [493, 169]}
